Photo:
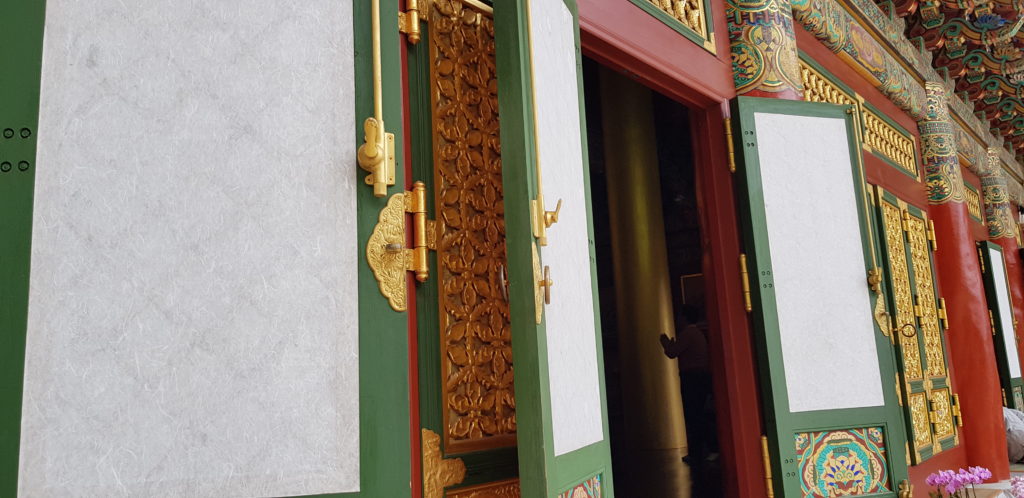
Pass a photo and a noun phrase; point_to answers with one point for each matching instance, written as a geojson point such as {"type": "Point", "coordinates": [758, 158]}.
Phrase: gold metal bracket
{"type": "Point", "coordinates": [730, 146]}
{"type": "Point", "coordinates": [386, 252]}
{"type": "Point", "coordinates": [931, 235]}
{"type": "Point", "coordinates": [766, 459]}
{"type": "Point", "coordinates": [956, 411]}
{"type": "Point", "coordinates": [541, 220]}
{"type": "Point", "coordinates": [745, 279]}
{"type": "Point", "coordinates": [906, 220]}
{"type": "Point", "coordinates": [409, 21]}
{"type": "Point", "coordinates": [377, 153]}
{"type": "Point", "coordinates": [942, 313]}
{"type": "Point", "coordinates": [981, 260]}
{"type": "Point", "coordinates": [905, 489]}
{"type": "Point", "coordinates": [875, 280]}
{"type": "Point", "coordinates": [438, 472]}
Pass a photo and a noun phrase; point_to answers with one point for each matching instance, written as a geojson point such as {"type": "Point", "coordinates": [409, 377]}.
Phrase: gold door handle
{"type": "Point", "coordinates": [913, 330]}
{"type": "Point", "coordinates": [551, 217]}
{"type": "Point", "coordinates": [377, 154]}
{"type": "Point", "coordinates": [546, 283]}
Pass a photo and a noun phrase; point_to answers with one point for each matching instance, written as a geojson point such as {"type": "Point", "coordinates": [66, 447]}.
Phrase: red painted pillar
{"type": "Point", "coordinates": [971, 352]}
{"type": "Point", "coordinates": [1002, 230]}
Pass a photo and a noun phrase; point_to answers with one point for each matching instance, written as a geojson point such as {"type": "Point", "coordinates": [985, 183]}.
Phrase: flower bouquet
{"type": "Point", "coordinates": [959, 484]}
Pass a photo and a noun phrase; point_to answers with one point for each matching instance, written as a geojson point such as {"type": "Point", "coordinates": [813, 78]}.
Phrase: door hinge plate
{"type": "Point", "coordinates": [386, 253]}
{"type": "Point", "coordinates": [730, 146]}
{"type": "Point", "coordinates": [748, 305]}
{"type": "Point", "coordinates": [766, 458]}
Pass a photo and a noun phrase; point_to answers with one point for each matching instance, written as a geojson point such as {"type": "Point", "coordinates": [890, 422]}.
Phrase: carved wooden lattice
{"type": "Point", "coordinates": [917, 236]}
{"type": "Point", "coordinates": [903, 294]}
{"type": "Point", "coordinates": [476, 347]}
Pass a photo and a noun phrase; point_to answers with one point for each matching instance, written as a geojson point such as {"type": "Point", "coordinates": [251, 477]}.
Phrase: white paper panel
{"type": "Point", "coordinates": [193, 309]}
{"type": "Point", "coordinates": [1005, 311]}
{"type": "Point", "coordinates": [572, 349]}
{"type": "Point", "coordinates": [815, 240]}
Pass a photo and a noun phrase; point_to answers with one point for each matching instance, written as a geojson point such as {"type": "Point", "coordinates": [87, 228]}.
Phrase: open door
{"type": "Point", "coordinates": [997, 290]}
{"type": "Point", "coordinates": [832, 415]}
{"type": "Point", "coordinates": [560, 400]}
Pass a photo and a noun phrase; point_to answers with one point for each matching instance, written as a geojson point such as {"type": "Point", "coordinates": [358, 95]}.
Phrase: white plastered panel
{"type": "Point", "coordinates": [1005, 311]}
{"type": "Point", "coordinates": [193, 324]}
{"type": "Point", "coordinates": [571, 338]}
{"type": "Point", "coordinates": [814, 236]}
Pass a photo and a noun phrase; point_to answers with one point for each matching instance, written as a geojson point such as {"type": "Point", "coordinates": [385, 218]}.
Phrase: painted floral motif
{"type": "Point", "coordinates": [938, 149]}
{"type": "Point", "coordinates": [591, 488]}
{"type": "Point", "coordinates": [842, 463]}
{"type": "Point", "coordinates": [763, 45]}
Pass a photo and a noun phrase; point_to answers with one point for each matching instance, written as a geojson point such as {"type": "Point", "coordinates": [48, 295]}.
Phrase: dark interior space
{"type": "Point", "coordinates": [679, 204]}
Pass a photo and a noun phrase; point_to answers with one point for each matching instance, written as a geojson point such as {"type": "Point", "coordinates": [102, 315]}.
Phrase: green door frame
{"type": "Point", "coordinates": [781, 424]}
{"type": "Point", "coordinates": [1013, 387]}
{"type": "Point", "coordinates": [542, 473]}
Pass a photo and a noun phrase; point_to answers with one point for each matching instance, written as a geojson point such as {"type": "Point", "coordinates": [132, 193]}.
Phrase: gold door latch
{"type": "Point", "coordinates": [386, 252]}
{"type": "Point", "coordinates": [377, 153]}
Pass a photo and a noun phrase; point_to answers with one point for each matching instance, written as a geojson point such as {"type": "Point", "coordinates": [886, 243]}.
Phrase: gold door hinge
{"type": "Point", "coordinates": [386, 252]}
{"type": "Point", "coordinates": [957, 415]}
{"type": "Point", "coordinates": [933, 414]}
{"type": "Point", "coordinates": [991, 322]}
{"type": "Point", "coordinates": [981, 260]}
{"type": "Point", "coordinates": [409, 21]}
{"type": "Point", "coordinates": [730, 146]}
{"type": "Point", "coordinates": [745, 279]}
{"type": "Point", "coordinates": [931, 235]}
{"type": "Point", "coordinates": [918, 312]}
{"type": "Point", "coordinates": [905, 222]}
{"type": "Point", "coordinates": [766, 457]}
{"type": "Point", "coordinates": [943, 315]}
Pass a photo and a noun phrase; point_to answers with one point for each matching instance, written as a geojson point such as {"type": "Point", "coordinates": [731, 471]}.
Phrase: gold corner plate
{"type": "Point", "coordinates": [438, 472]}
{"type": "Point", "coordinates": [389, 265]}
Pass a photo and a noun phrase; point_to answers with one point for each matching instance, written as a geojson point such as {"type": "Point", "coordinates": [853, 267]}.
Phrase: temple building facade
{"type": "Point", "coordinates": [504, 248]}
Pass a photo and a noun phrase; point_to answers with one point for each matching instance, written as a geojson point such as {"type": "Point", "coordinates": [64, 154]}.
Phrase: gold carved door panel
{"type": "Point", "coordinates": [917, 320]}
{"type": "Point", "coordinates": [469, 400]}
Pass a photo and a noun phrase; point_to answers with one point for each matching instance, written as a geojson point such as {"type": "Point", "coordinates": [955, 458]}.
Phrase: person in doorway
{"type": "Point", "coordinates": [690, 346]}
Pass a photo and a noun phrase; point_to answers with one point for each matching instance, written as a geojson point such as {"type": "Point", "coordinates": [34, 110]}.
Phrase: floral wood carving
{"type": "Point", "coordinates": [438, 472]}
{"type": "Point", "coordinates": [476, 340]}
{"type": "Point", "coordinates": [500, 489]}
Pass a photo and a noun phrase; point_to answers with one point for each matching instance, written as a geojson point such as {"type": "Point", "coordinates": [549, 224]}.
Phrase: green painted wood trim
{"type": "Point", "coordinates": [21, 47]}
{"type": "Point", "coordinates": [385, 466]}
{"type": "Point", "coordinates": [709, 25]}
{"type": "Point", "coordinates": [541, 473]}
{"type": "Point", "coordinates": [781, 424]}
{"type": "Point", "coordinates": [1002, 360]}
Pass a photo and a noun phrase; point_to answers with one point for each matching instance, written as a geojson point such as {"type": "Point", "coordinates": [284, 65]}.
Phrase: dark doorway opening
{"type": "Point", "coordinates": [623, 255]}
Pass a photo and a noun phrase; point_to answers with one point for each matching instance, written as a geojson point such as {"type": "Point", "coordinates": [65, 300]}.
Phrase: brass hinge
{"type": "Point", "coordinates": [905, 223]}
{"type": "Point", "coordinates": [991, 322]}
{"type": "Point", "coordinates": [386, 252]}
{"type": "Point", "coordinates": [981, 260]}
{"type": "Point", "coordinates": [730, 146]}
{"type": "Point", "coordinates": [766, 457]}
{"type": "Point", "coordinates": [931, 235]}
{"type": "Point", "coordinates": [745, 278]}
{"type": "Point", "coordinates": [942, 313]}
{"type": "Point", "coordinates": [933, 414]}
{"type": "Point", "coordinates": [917, 308]}
{"type": "Point", "coordinates": [956, 411]}
{"type": "Point", "coordinates": [409, 21]}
